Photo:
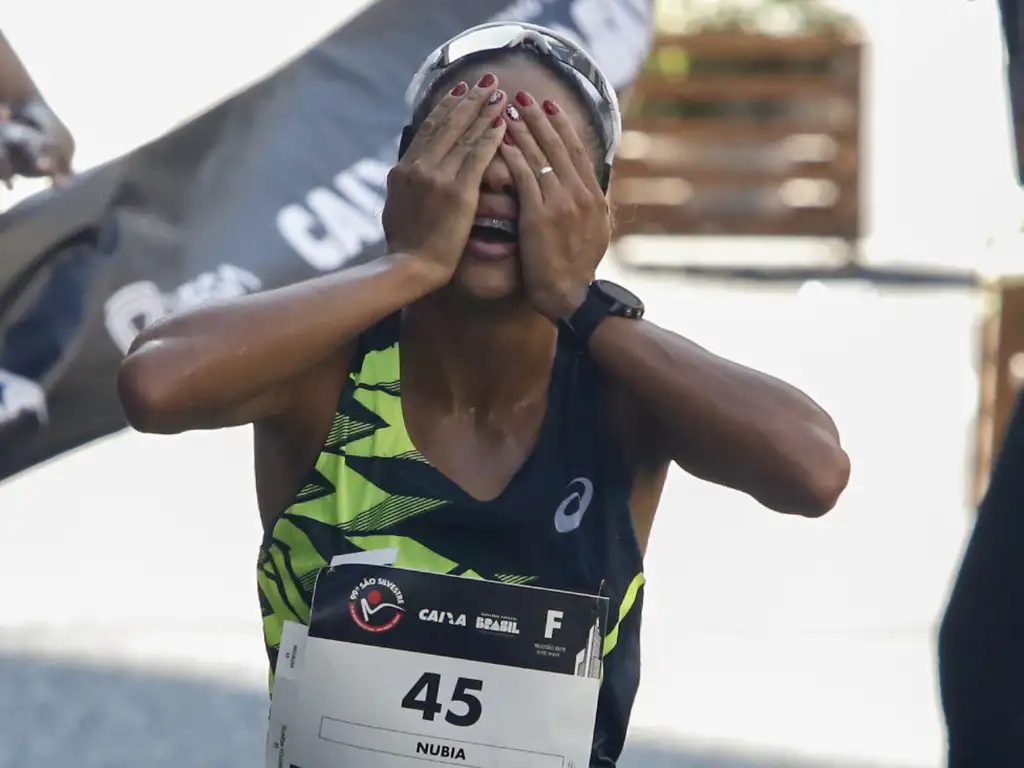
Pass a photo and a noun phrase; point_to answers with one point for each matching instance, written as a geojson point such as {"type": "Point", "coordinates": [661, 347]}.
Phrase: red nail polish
{"type": "Point", "coordinates": [507, 138]}
{"type": "Point", "coordinates": [487, 80]}
{"type": "Point", "coordinates": [550, 107]}
{"type": "Point", "coordinates": [524, 99]}
{"type": "Point", "coordinates": [460, 89]}
{"type": "Point", "coordinates": [498, 121]}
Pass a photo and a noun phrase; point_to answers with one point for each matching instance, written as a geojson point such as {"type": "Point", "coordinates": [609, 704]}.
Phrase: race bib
{"type": "Point", "coordinates": [400, 666]}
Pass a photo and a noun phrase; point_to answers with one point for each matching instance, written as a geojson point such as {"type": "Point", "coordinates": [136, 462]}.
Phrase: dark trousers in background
{"type": "Point", "coordinates": [981, 640]}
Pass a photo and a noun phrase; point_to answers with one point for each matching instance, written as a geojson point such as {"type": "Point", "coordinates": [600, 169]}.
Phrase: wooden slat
{"type": "Point", "coordinates": [680, 220]}
{"type": "Point", "coordinates": [724, 185]}
{"type": "Point", "coordinates": [746, 88]}
{"type": "Point", "coordinates": [1003, 338]}
{"type": "Point", "coordinates": [670, 154]}
{"type": "Point", "coordinates": [989, 393]}
{"type": "Point", "coordinates": [638, 170]}
{"type": "Point", "coordinates": [758, 203]}
{"type": "Point", "coordinates": [733, 129]}
{"type": "Point", "coordinates": [723, 175]}
{"type": "Point", "coordinates": [726, 44]}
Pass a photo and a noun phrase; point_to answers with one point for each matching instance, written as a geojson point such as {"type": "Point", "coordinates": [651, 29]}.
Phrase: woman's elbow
{"type": "Point", "coordinates": [146, 393]}
{"type": "Point", "coordinates": [824, 480]}
{"type": "Point", "coordinates": [809, 478]}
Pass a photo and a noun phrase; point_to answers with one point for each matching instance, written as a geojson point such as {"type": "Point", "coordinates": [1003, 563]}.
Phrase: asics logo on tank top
{"type": "Point", "coordinates": [570, 512]}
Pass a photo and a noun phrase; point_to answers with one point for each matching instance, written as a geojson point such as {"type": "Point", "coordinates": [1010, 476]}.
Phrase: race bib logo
{"type": "Point", "coordinates": [500, 625]}
{"type": "Point", "coordinates": [443, 617]}
{"type": "Point", "coordinates": [376, 605]}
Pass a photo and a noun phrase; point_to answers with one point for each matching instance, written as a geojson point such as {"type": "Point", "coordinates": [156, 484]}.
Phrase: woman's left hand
{"type": "Point", "coordinates": [564, 224]}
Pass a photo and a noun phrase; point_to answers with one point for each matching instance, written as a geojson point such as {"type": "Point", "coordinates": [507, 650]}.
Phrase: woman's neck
{"type": "Point", "coordinates": [479, 357]}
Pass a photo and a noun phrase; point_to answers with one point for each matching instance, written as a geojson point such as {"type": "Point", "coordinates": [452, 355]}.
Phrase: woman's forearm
{"type": "Point", "coordinates": [220, 356]}
{"type": "Point", "coordinates": [725, 422]}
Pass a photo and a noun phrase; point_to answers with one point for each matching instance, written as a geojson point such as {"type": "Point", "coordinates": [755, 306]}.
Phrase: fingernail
{"type": "Point", "coordinates": [498, 122]}
{"type": "Point", "coordinates": [512, 112]}
{"type": "Point", "coordinates": [550, 107]}
{"type": "Point", "coordinates": [460, 89]}
{"type": "Point", "coordinates": [496, 97]}
{"type": "Point", "coordinates": [487, 80]}
{"type": "Point", "coordinates": [507, 138]}
{"type": "Point", "coordinates": [524, 99]}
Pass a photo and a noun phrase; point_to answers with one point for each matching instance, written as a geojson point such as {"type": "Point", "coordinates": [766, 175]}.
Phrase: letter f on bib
{"type": "Point", "coordinates": [554, 621]}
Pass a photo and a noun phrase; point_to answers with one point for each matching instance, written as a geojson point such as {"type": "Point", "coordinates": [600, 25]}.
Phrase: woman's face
{"type": "Point", "coordinates": [490, 279]}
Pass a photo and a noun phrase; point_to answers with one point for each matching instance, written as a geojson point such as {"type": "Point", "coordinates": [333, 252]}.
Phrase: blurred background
{"type": "Point", "coordinates": [839, 210]}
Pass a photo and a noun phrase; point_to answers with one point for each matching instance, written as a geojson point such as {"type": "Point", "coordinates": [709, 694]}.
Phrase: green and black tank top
{"type": "Point", "coordinates": [563, 521]}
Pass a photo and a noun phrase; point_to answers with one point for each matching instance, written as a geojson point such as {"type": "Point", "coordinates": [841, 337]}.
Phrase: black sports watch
{"type": "Point", "coordinates": [604, 299]}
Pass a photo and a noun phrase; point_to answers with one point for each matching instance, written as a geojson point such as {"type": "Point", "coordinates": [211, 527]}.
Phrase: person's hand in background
{"type": "Point", "coordinates": [33, 141]}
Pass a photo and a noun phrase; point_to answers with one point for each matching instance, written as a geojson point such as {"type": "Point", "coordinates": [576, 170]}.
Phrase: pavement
{"type": "Point", "coordinates": [56, 713]}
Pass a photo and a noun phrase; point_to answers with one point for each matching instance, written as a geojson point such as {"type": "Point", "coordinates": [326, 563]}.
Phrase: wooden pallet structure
{"type": "Point", "coordinates": [729, 133]}
{"type": "Point", "coordinates": [1002, 373]}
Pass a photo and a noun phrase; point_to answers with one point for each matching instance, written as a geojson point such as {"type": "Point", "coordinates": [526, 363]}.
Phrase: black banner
{"type": "Point", "coordinates": [491, 622]}
{"type": "Point", "coordinates": [1013, 36]}
{"type": "Point", "coordinates": [283, 182]}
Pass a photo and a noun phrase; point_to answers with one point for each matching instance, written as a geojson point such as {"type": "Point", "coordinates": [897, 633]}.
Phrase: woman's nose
{"type": "Point", "coordinates": [497, 177]}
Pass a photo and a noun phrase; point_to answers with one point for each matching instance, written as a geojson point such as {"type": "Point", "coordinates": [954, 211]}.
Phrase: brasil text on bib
{"type": "Point", "coordinates": [401, 667]}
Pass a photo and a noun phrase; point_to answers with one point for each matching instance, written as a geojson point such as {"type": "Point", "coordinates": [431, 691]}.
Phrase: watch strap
{"type": "Point", "coordinates": [584, 321]}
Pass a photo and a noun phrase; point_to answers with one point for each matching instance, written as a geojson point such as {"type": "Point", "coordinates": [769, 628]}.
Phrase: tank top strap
{"type": "Point", "coordinates": [377, 338]}
{"type": "Point", "coordinates": [580, 397]}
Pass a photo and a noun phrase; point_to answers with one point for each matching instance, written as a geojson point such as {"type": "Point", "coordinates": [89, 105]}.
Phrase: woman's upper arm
{"type": "Point", "coordinates": [271, 404]}
{"type": "Point", "coordinates": [637, 432]}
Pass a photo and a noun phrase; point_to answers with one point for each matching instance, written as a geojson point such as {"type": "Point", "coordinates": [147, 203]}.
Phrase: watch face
{"type": "Point", "coordinates": [619, 295]}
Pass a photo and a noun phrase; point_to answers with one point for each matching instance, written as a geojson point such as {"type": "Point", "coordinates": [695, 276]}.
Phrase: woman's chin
{"type": "Point", "coordinates": [488, 281]}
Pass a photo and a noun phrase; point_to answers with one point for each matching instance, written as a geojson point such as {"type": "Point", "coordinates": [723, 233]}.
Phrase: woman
{"type": "Point", "coordinates": [474, 399]}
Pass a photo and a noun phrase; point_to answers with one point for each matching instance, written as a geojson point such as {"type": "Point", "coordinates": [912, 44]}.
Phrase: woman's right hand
{"type": "Point", "coordinates": [434, 190]}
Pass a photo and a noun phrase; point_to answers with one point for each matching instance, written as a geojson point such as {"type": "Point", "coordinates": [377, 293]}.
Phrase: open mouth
{"type": "Point", "coordinates": [494, 230]}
